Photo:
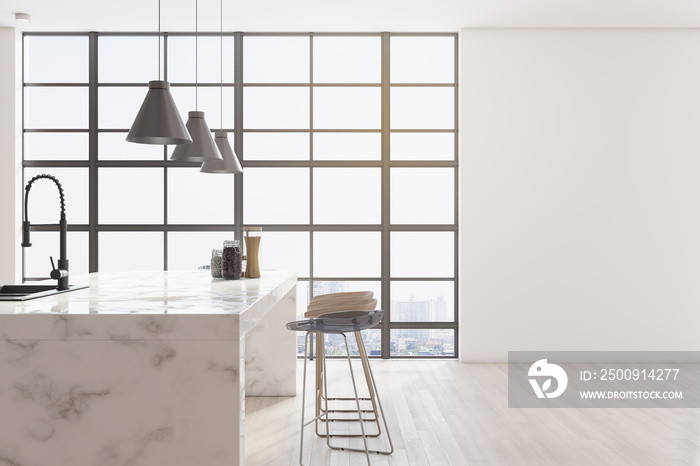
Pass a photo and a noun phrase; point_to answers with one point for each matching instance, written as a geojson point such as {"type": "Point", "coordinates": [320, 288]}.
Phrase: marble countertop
{"type": "Point", "coordinates": [147, 305]}
{"type": "Point", "coordinates": [192, 292]}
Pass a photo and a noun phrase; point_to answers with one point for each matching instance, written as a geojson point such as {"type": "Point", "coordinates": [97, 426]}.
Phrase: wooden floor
{"type": "Point", "coordinates": [447, 413]}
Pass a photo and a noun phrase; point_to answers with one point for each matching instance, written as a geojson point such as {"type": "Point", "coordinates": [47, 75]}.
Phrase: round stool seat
{"type": "Point", "coordinates": [348, 321]}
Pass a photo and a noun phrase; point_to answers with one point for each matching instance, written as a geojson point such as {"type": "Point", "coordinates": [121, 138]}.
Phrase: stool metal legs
{"type": "Point", "coordinates": [321, 396]}
{"type": "Point", "coordinates": [357, 401]}
{"type": "Point", "coordinates": [321, 359]}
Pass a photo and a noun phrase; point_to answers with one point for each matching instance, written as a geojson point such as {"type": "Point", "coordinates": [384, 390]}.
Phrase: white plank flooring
{"type": "Point", "coordinates": [447, 413]}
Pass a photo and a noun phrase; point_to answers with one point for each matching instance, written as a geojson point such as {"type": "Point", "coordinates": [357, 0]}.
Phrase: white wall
{"type": "Point", "coordinates": [10, 155]}
{"type": "Point", "coordinates": [580, 190]}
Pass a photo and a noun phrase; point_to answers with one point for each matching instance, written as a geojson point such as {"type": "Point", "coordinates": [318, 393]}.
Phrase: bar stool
{"type": "Point", "coordinates": [341, 323]}
{"type": "Point", "coordinates": [329, 304]}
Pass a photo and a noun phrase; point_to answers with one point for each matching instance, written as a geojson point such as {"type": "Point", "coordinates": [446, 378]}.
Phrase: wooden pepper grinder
{"type": "Point", "coordinates": [253, 235]}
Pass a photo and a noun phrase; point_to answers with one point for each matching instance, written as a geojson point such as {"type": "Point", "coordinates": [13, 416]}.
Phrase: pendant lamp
{"type": "Point", "coordinates": [229, 163]}
{"type": "Point", "coordinates": [203, 146]}
{"type": "Point", "coordinates": [158, 120]}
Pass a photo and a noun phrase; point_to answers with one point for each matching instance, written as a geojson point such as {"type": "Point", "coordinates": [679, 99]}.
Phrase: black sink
{"type": "Point", "coordinates": [25, 292]}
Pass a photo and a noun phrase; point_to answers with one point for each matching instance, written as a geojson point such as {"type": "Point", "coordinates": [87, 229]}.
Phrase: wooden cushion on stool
{"type": "Point", "coordinates": [340, 305]}
{"type": "Point", "coordinates": [343, 295]}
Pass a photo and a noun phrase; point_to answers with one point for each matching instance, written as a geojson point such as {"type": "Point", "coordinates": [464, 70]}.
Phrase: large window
{"type": "Point", "coordinates": [349, 149]}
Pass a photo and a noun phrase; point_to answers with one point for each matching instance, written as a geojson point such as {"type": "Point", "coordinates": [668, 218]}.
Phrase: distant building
{"type": "Point", "coordinates": [320, 288]}
{"type": "Point", "coordinates": [412, 311]}
{"type": "Point", "coordinates": [440, 310]}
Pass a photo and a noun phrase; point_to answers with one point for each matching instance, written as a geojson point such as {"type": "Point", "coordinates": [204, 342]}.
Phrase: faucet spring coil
{"type": "Point", "coordinates": [58, 185]}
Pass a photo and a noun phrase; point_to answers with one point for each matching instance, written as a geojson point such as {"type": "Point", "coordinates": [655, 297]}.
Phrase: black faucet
{"type": "Point", "coordinates": [60, 273]}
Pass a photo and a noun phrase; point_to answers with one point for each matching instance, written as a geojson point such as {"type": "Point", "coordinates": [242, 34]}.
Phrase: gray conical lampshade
{"type": "Point", "coordinates": [158, 121]}
{"type": "Point", "coordinates": [202, 147]}
{"type": "Point", "coordinates": [229, 164]}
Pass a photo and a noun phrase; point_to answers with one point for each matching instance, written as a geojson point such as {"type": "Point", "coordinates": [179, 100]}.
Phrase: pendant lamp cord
{"type": "Point", "coordinates": [158, 40]}
{"type": "Point", "coordinates": [221, 68]}
{"type": "Point", "coordinates": [196, 55]}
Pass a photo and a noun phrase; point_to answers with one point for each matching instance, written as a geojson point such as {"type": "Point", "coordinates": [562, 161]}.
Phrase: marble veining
{"type": "Point", "coordinates": [66, 403]}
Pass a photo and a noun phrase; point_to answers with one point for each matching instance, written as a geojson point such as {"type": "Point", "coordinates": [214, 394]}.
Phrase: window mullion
{"type": "Point", "coordinates": [386, 234]}
{"type": "Point", "coordinates": [92, 155]}
{"type": "Point", "coordinates": [238, 133]}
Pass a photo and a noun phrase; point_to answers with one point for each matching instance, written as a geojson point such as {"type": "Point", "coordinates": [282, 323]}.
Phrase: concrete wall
{"type": "Point", "coordinates": [580, 190]}
{"type": "Point", "coordinates": [10, 155]}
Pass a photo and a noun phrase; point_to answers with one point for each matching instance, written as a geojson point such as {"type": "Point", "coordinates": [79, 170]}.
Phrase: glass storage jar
{"type": "Point", "coordinates": [231, 260]}
{"type": "Point", "coordinates": [216, 259]}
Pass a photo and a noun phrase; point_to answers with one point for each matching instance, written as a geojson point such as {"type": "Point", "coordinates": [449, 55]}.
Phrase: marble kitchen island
{"type": "Point", "coordinates": [142, 368]}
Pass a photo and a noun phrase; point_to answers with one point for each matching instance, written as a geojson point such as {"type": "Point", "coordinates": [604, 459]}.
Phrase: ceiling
{"type": "Point", "coordinates": [347, 15]}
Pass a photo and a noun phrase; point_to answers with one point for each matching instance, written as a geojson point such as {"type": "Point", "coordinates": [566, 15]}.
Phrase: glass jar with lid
{"type": "Point", "coordinates": [231, 260]}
